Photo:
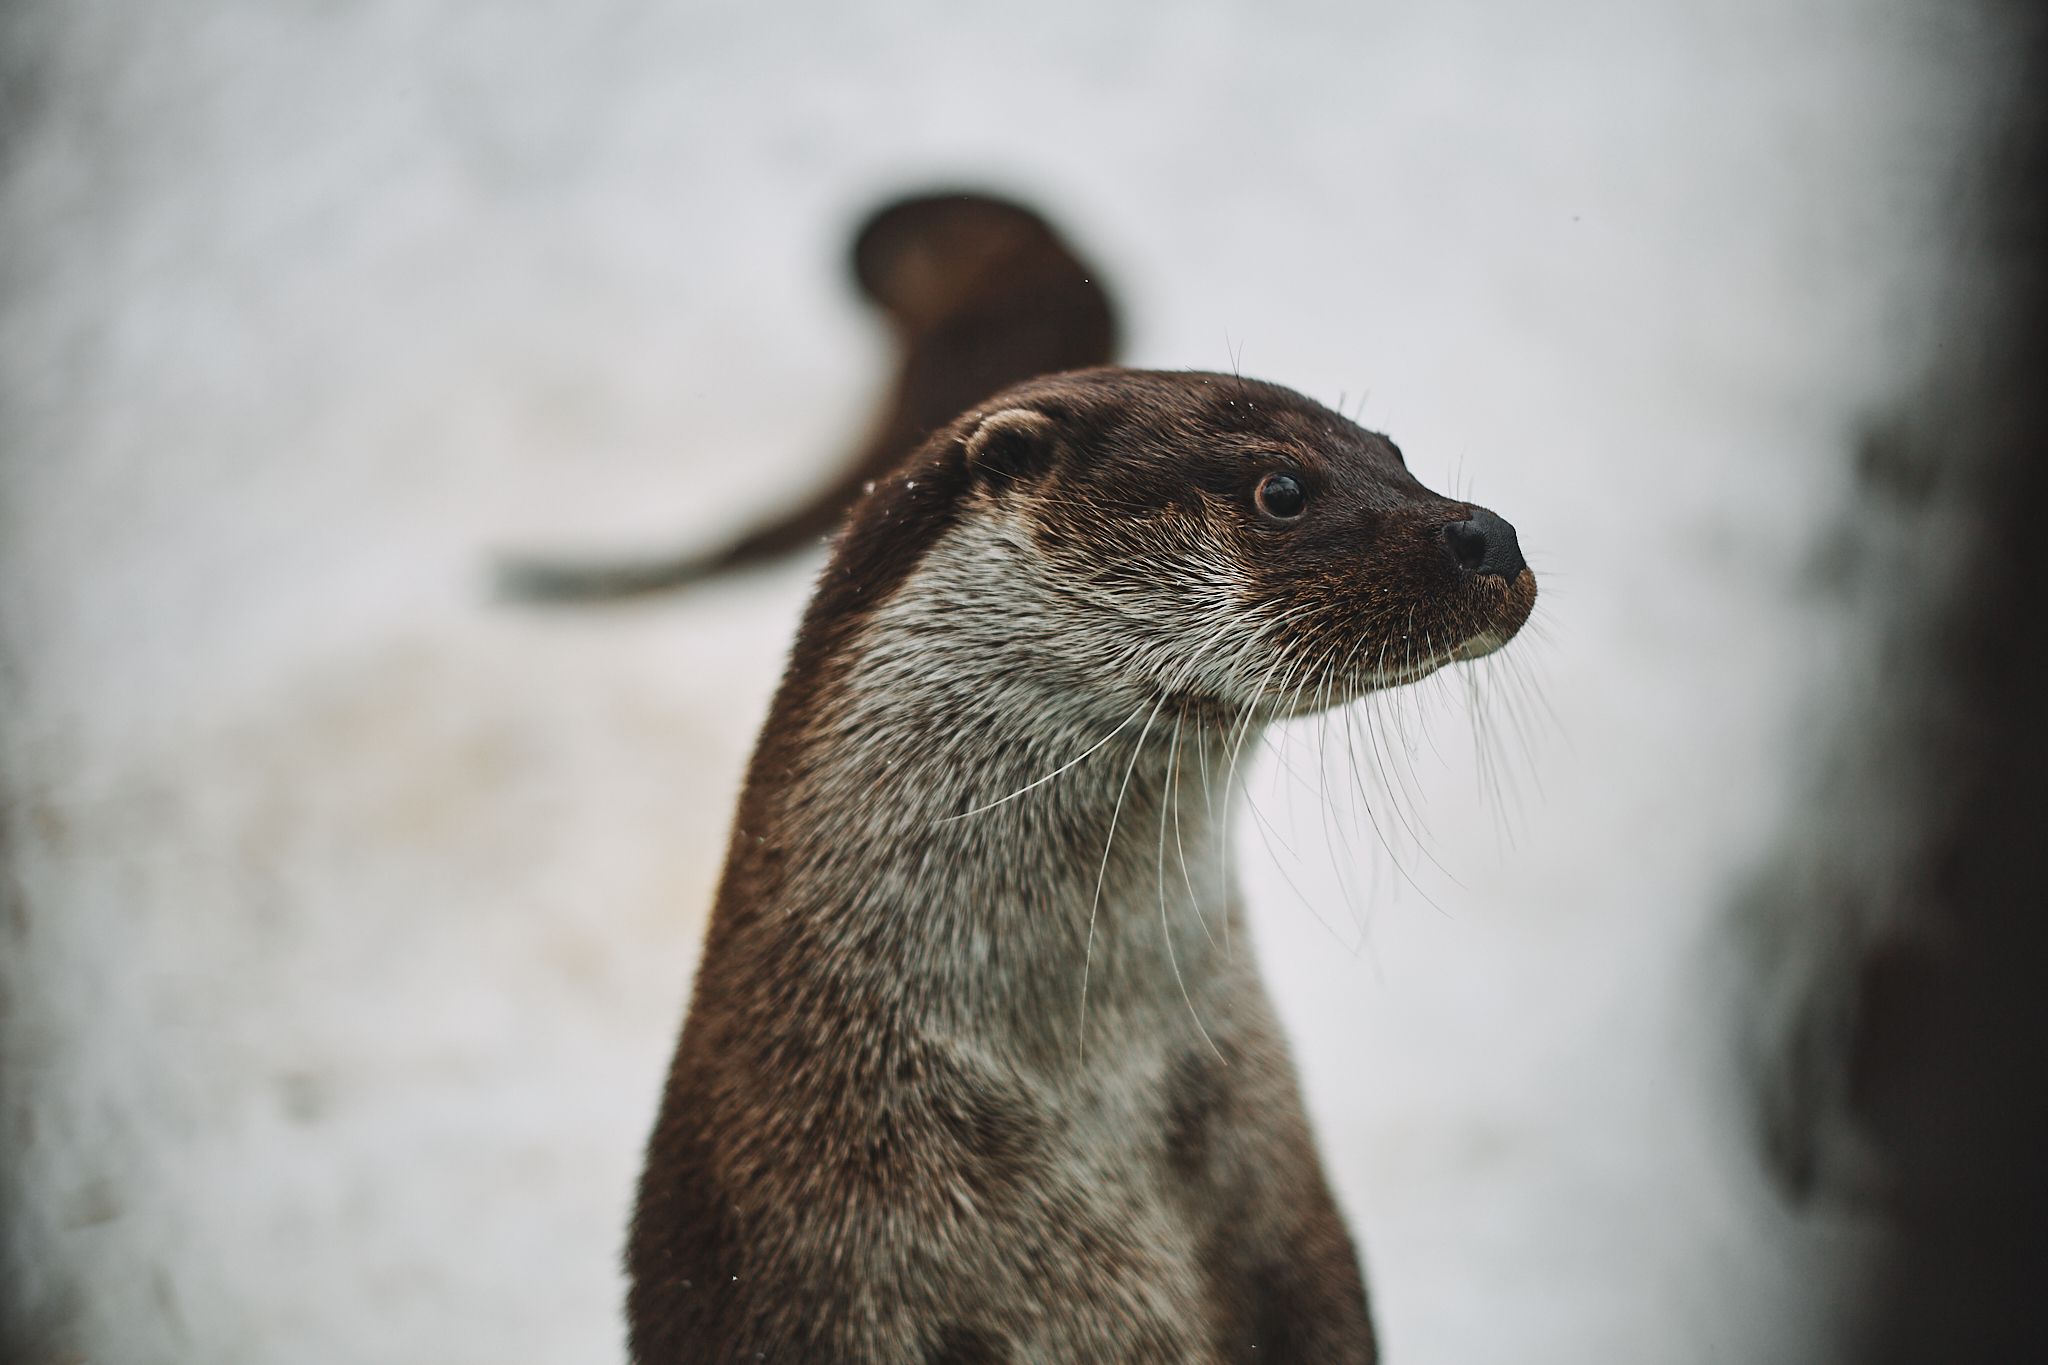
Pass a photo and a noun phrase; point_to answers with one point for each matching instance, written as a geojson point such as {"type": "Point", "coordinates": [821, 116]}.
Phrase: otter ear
{"type": "Point", "coordinates": [1015, 443]}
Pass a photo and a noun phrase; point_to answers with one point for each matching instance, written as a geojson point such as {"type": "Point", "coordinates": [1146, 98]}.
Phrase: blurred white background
{"type": "Point", "coordinates": [352, 914]}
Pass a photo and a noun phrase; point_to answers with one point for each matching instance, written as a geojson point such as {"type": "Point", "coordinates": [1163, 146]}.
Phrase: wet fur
{"type": "Point", "coordinates": [978, 1066]}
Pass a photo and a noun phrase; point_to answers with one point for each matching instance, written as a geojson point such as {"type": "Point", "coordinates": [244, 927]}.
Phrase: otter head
{"type": "Point", "coordinates": [1234, 540]}
{"type": "Point", "coordinates": [1224, 543]}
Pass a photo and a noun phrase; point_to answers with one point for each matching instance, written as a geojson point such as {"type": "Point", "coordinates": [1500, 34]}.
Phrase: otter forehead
{"type": "Point", "coordinates": [1192, 431]}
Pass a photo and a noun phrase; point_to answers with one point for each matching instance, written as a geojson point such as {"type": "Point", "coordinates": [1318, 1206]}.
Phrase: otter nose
{"type": "Point", "coordinates": [1484, 544]}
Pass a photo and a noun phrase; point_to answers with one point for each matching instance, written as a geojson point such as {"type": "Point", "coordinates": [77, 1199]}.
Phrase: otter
{"type": "Point", "coordinates": [978, 1067]}
{"type": "Point", "coordinates": [981, 293]}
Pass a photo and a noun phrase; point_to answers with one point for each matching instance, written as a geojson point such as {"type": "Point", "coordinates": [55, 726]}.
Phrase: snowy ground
{"type": "Point", "coordinates": [352, 915]}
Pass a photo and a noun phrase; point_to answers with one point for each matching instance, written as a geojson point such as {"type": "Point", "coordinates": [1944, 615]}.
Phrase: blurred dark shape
{"type": "Point", "coordinates": [981, 293]}
{"type": "Point", "coordinates": [1912, 1077]}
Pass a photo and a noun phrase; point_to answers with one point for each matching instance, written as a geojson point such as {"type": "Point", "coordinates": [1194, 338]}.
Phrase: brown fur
{"type": "Point", "coordinates": [968, 1074]}
{"type": "Point", "coordinates": [980, 294]}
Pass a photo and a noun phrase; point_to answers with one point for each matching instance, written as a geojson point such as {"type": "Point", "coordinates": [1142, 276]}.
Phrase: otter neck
{"type": "Point", "coordinates": [1003, 850]}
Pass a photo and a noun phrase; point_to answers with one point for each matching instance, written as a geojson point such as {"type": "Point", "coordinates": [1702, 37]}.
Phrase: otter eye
{"type": "Point", "coordinates": [1281, 497]}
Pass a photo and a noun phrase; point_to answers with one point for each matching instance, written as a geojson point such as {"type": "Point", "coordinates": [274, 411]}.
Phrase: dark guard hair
{"type": "Point", "coordinates": [978, 1066]}
{"type": "Point", "coordinates": [981, 293]}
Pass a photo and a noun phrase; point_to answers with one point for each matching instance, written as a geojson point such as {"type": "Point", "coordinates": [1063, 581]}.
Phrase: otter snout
{"type": "Point", "coordinates": [1484, 544]}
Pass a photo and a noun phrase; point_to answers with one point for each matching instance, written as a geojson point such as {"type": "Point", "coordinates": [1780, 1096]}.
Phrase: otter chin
{"type": "Point", "coordinates": [978, 1066]}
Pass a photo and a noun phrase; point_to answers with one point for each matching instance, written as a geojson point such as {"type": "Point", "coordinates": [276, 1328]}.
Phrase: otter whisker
{"type": "Point", "coordinates": [1165, 927]}
{"type": "Point", "coordinates": [1346, 716]}
{"type": "Point", "coordinates": [1398, 791]}
{"type": "Point", "coordinates": [1287, 690]}
{"type": "Point", "coordinates": [1352, 717]}
{"type": "Point", "coordinates": [1338, 676]}
{"type": "Point", "coordinates": [1039, 782]}
{"type": "Point", "coordinates": [1179, 848]}
{"type": "Point", "coordinates": [1209, 814]}
{"type": "Point", "coordinates": [1340, 712]}
{"type": "Point", "coordinates": [1235, 747]}
{"type": "Point", "coordinates": [1488, 767]}
{"type": "Point", "coordinates": [1514, 696]}
{"type": "Point", "coordinates": [1266, 835]}
{"type": "Point", "coordinates": [1323, 681]}
{"type": "Point", "coordinates": [1101, 875]}
{"type": "Point", "coordinates": [1102, 872]}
